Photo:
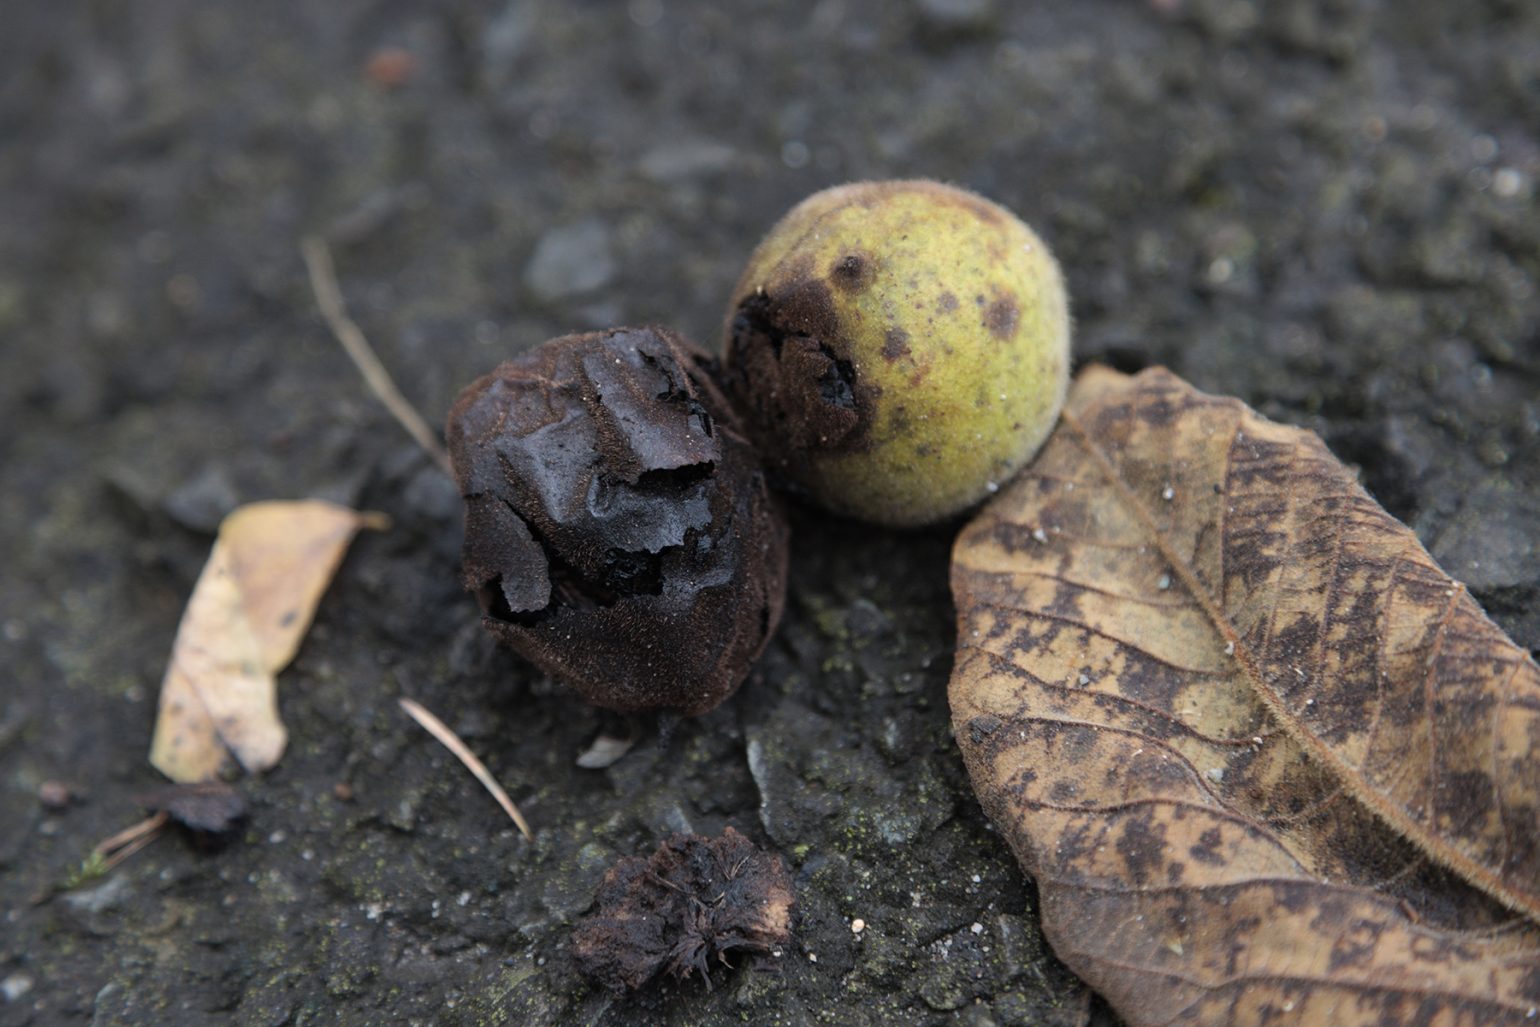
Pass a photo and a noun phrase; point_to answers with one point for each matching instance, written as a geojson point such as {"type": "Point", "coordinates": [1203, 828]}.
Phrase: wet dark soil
{"type": "Point", "coordinates": [1325, 208]}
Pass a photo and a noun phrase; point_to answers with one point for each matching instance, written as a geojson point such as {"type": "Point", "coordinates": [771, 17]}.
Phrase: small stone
{"type": "Point", "coordinates": [54, 795]}
{"type": "Point", "coordinates": [201, 501]}
{"type": "Point", "coordinates": [390, 67]}
{"type": "Point", "coordinates": [1491, 541]}
{"type": "Point", "coordinates": [957, 16]}
{"type": "Point", "coordinates": [795, 154]}
{"type": "Point", "coordinates": [98, 899]}
{"type": "Point", "coordinates": [857, 925]}
{"type": "Point", "coordinates": [685, 159]}
{"type": "Point", "coordinates": [505, 40]}
{"type": "Point", "coordinates": [604, 751]}
{"type": "Point", "coordinates": [15, 986]}
{"type": "Point", "coordinates": [431, 494]}
{"type": "Point", "coordinates": [571, 260]}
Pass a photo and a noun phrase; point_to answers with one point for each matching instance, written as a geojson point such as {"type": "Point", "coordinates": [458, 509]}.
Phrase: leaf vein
{"type": "Point", "coordinates": [1155, 711]}
{"type": "Point", "coordinates": [1084, 587]}
{"type": "Point", "coordinates": [1072, 623]}
{"type": "Point", "coordinates": [1428, 703]}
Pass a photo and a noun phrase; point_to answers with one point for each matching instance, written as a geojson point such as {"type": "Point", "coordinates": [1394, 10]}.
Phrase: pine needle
{"type": "Point", "coordinates": [451, 741]}
{"type": "Point", "coordinates": [328, 296]}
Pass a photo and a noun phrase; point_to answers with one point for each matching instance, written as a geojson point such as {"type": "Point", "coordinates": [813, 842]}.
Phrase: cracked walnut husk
{"type": "Point", "coordinates": [690, 905]}
{"type": "Point", "coordinates": [619, 532]}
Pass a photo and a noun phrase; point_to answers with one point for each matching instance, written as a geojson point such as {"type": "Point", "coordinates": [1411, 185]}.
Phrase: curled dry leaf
{"type": "Point", "coordinates": [211, 808]}
{"type": "Point", "coordinates": [1265, 760]}
{"type": "Point", "coordinates": [247, 616]}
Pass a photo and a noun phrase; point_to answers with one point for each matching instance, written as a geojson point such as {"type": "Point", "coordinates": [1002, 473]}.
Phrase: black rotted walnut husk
{"type": "Point", "coordinates": [689, 906]}
{"type": "Point", "coordinates": [619, 531]}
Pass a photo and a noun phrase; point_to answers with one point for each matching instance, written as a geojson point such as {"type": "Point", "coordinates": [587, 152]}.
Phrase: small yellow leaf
{"type": "Point", "coordinates": [247, 616]}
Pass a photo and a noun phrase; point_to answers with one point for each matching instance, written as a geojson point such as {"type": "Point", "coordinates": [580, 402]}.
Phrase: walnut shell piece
{"type": "Point", "coordinates": [619, 532]}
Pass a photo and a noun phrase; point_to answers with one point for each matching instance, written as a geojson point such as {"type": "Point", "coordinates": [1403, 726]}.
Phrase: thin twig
{"type": "Point", "coordinates": [130, 840]}
{"type": "Point", "coordinates": [328, 296]}
{"type": "Point", "coordinates": [128, 850]}
{"type": "Point", "coordinates": [451, 741]}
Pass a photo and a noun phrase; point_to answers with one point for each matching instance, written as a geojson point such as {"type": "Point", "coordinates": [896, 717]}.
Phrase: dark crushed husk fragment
{"type": "Point", "coordinates": [619, 531]}
{"type": "Point", "coordinates": [690, 905]}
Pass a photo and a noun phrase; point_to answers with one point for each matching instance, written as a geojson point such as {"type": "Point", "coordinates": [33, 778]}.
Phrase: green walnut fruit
{"type": "Point", "coordinates": [900, 349]}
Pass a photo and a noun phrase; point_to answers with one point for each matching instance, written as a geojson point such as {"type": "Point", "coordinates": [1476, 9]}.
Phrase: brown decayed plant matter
{"type": "Point", "coordinates": [619, 530]}
{"type": "Point", "coordinates": [1263, 757]}
{"type": "Point", "coordinates": [690, 906]}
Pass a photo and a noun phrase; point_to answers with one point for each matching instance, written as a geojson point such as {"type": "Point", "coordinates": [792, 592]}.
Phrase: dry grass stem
{"type": "Point", "coordinates": [451, 741]}
{"type": "Point", "coordinates": [130, 840]}
{"type": "Point", "coordinates": [328, 295]}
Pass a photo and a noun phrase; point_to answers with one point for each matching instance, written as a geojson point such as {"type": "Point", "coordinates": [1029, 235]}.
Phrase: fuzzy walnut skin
{"type": "Point", "coordinates": [619, 532]}
{"type": "Point", "coordinates": [898, 348]}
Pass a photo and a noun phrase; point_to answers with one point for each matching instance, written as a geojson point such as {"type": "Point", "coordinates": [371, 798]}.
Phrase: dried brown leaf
{"type": "Point", "coordinates": [1267, 762]}
{"type": "Point", "coordinates": [211, 808]}
{"type": "Point", "coordinates": [247, 616]}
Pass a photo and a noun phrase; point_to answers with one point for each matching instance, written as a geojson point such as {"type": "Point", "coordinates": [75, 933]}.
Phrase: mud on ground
{"type": "Point", "coordinates": [1326, 208]}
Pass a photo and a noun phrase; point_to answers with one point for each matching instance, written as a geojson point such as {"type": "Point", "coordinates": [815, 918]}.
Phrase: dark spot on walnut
{"type": "Point", "coordinates": [947, 303]}
{"type": "Point", "coordinates": [895, 344]}
{"type": "Point", "coordinates": [1001, 315]}
{"type": "Point", "coordinates": [613, 501]}
{"type": "Point", "coordinates": [836, 385]}
{"type": "Point", "coordinates": [807, 395]}
{"type": "Point", "coordinates": [690, 906]}
{"type": "Point", "coordinates": [853, 272]}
